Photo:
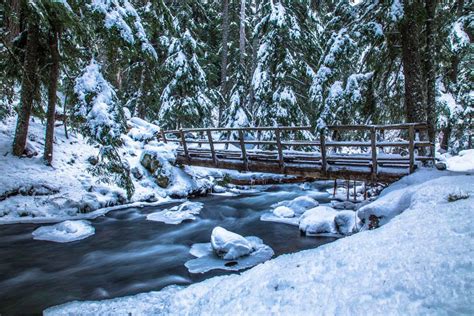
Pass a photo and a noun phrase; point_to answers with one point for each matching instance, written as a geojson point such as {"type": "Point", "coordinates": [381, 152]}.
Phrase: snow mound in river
{"type": "Point", "coordinates": [66, 231]}
{"type": "Point", "coordinates": [319, 220]}
{"type": "Point", "coordinates": [177, 214]}
{"type": "Point", "coordinates": [207, 259]}
{"type": "Point", "coordinates": [289, 211]}
{"type": "Point", "coordinates": [229, 245]}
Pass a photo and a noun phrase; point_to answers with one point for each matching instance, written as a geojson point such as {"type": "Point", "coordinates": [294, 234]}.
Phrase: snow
{"type": "Point", "coordinates": [208, 260]}
{"type": "Point", "coordinates": [66, 231]}
{"type": "Point", "coordinates": [464, 162]}
{"type": "Point", "coordinates": [283, 211]}
{"type": "Point", "coordinates": [318, 220]}
{"type": "Point", "coordinates": [31, 192]}
{"type": "Point", "coordinates": [229, 245]}
{"type": "Point", "coordinates": [345, 222]}
{"type": "Point", "coordinates": [102, 113]}
{"type": "Point", "coordinates": [117, 13]}
{"type": "Point", "coordinates": [289, 211]}
{"type": "Point", "coordinates": [177, 214]}
{"type": "Point", "coordinates": [418, 263]}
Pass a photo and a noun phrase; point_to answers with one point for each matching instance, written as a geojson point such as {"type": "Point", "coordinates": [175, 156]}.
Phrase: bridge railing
{"type": "Point", "coordinates": [320, 150]}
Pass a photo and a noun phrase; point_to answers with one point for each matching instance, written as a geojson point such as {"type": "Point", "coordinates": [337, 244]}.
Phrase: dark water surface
{"type": "Point", "coordinates": [129, 255]}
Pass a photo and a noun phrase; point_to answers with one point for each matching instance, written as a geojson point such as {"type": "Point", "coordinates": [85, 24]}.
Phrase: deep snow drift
{"type": "Point", "coordinates": [419, 262]}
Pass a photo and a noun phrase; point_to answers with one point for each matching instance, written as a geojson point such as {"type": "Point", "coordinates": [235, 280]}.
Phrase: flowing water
{"type": "Point", "coordinates": [129, 255]}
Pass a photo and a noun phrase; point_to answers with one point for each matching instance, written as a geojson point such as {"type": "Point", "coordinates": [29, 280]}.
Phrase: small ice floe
{"type": "Point", "coordinates": [222, 191]}
{"type": "Point", "coordinates": [66, 231]}
{"type": "Point", "coordinates": [228, 251]}
{"type": "Point", "coordinates": [177, 214]}
{"type": "Point", "coordinates": [289, 211]}
{"type": "Point", "coordinates": [319, 221]}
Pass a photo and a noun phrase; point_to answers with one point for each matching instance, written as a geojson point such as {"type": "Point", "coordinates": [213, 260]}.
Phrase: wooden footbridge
{"type": "Point", "coordinates": [353, 152]}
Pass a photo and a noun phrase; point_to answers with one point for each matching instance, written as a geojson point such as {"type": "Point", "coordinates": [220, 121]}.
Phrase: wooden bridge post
{"type": "Point", "coordinates": [322, 148]}
{"type": "Point", "coordinates": [211, 145]}
{"type": "Point", "coordinates": [163, 136]}
{"type": "Point", "coordinates": [185, 147]}
{"type": "Point", "coordinates": [280, 150]}
{"type": "Point", "coordinates": [243, 150]}
{"type": "Point", "coordinates": [373, 145]}
{"type": "Point", "coordinates": [411, 147]}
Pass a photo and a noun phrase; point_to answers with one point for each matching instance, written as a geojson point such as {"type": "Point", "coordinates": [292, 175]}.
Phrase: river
{"type": "Point", "coordinates": [129, 254]}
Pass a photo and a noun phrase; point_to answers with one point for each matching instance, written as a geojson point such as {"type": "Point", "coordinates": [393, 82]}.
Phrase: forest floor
{"type": "Point", "coordinates": [420, 261]}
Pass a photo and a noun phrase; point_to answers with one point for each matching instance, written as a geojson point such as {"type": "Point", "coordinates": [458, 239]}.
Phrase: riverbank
{"type": "Point", "coordinates": [418, 262]}
{"type": "Point", "coordinates": [31, 192]}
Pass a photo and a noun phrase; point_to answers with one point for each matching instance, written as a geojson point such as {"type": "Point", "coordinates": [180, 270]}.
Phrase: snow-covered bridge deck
{"type": "Point", "coordinates": [354, 152]}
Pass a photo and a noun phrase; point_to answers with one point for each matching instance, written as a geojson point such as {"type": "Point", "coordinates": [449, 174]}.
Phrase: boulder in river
{"type": "Point", "coordinates": [229, 245]}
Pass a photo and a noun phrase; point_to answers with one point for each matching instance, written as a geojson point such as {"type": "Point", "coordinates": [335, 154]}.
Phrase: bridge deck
{"type": "Point", "coordinates": [242, 149]}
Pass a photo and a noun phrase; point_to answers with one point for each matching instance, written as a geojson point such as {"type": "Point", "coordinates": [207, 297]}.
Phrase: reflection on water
{"type": "Point", "coordinates": [129, 255]}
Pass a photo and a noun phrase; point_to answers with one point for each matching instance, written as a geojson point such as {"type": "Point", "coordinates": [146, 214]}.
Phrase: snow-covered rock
{"type": "Point", "coordinates": [283, 211]}
{"type": "Point", "coordinates": [318, 220]}
{"type": "Point", "coordinates": [207, 259]}
{"type": "Point", "coordinates": [177, 214]}
{"type": "Point", "coordinates": [299, 205]}
{"type": "Point", "coordinates": [229, 245]}
{"type": "Point", "coordinates": [66, 231]}
{"type": "Point", "coordinates": [345, 222]}
{"type": "Point", "coordinates": [289, 211]}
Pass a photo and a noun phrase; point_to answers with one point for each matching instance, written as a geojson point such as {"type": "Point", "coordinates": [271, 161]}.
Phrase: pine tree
{"type": "Point", "coordinates": [184, 101]}
{"type": "Point", "coordinates": [279, 68]}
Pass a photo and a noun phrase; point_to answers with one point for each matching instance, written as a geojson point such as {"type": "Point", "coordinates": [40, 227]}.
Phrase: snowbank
{"type": "Point", "coordinates": [30, 191]}
{"type": "Point", "coordinates": [418, 263]}
{"type": "Point", "coordinates": [66, 231]}
{"type": "Point", "coordinates": [464, 162]}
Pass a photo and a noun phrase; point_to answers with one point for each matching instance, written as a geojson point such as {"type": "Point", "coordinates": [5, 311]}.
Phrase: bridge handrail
{"type": "Point", "coordinates": [411, 143]}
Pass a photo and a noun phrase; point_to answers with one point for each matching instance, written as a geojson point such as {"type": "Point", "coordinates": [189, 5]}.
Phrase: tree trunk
{"type": "Point", "coordinates": [254, 48]}
{"type": "Point", "coordinates": [27, 89]}
{"type": "Point", "coordinates": [446, 135]}
{"type": "Point", "coordinates": [412, 66]}
{"type": "Point", "coordinates": [52, 96]}
{"type": "Point", "coordinates": [225, 40]}
{"type": "Point", "coordinates": [242, 33]}
{"type": "Point", "coordinates": [430, 71]}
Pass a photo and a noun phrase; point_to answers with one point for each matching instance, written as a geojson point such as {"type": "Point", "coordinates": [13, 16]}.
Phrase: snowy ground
{"type": "Point", "coordinates": [32, 192]}
{"type": "Point", "coordinates": [419, 262]}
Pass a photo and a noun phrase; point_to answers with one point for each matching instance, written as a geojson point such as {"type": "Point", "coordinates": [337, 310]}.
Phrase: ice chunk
{"type": "Point", "coordinates": [229, 245]}
{"type": "Point", "coordinates": [66, 231]}
{"type": "Point", "coordinates": [270, 217]}
{"type": "Point", "coordinates": [283, 211]}
{"type": "Point", "coordinates": [319, 220]}
{"type": "Point", "coordinates": [345, 222]}
{"type": "Point", "coordinates": [177, 214]}
{"type": "Point", "coordinates": [299, 205]}
{"type": "Point", "coordinates": [208, 260]}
